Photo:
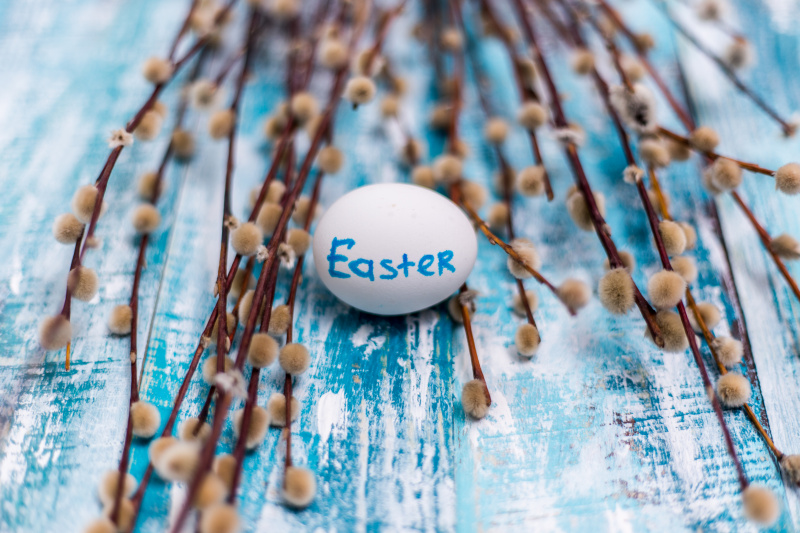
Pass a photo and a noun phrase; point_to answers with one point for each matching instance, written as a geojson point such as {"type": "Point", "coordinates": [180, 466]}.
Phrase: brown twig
{"type": "Point", "coordinates": [525, 93]}
{"type": "Point", "coordinates": [223, 404]}
{"type": "Point", "coordinates": [711, 155]}
{"type": "Point", "coordinates": [494, 239]}
{"type": "Point", "coordinates": [687, 327]}
{"type": "Point", "coordinates": [571, 152]}
{"type": "Point", "coordinates": [788, 129]}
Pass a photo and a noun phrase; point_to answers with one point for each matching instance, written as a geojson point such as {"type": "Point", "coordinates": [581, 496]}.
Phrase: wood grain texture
{"type": "Point", "coordinates": [600, 431]}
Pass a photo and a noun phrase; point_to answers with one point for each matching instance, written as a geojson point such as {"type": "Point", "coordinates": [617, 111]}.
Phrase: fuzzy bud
{"type": "Point", "coordinates": [219, 518]}
{"type": "Point", "coordinates": [303, 106]}
{"type": "Point", "coordinates": [268, 217]}
{"type": "Point", "coordinates": [672, 236]}
{"type": "Point", "coordinates": [672, 331]}
{"type": "Point", "coordinates": [527, 253]}
{"type": "Point", "coordinates": [574, 293]}
{"type": "Point", "coordinates": [495, 130]}
{"type": "Point", "coordinates": [787, 178]}
{"type": "Point", "coordinates": [182, 143]}
{"type": "Point", "coordinates": [83, 202]}
{"type": "Point", "coordinates": [474, 399]}
{"type": "Point", "coordinates": [729, 351]}
{"type": "Point", "coordinates": [579, 210]}
{"type": "Point", "coordinates": [666, 289]}
{"type": "Point", "coordinates": [733, 389]}
{"type": "Point", "coordinates": [294, 358]}
{"type": "Point", "coordinates": [423, 176]}
{"type": "Point", "coordinates": [330, 160]}
{"type": "Point", "coordinates": [632, 174]}
{"type": "Point", "coordinates": [704, 139]}
{"type": "Point", "coordinates": [498, 216]}
{"type": "Point", "coordinates": [761, 505]}
{"type": "Point", "coordinates": [654, 153]}
{"type": "Point", "coordinates": [299, 487]}
{"type": "Point", "coordinates": [532, 115]}
{"type": "Point", "coordinates": [120, 320]}
{"type": "Point", "coordinates": [359, 90]}
{"type": "Point", "coordinates": [149, 127]}
{"type": "Point", "coordinates": [447, 168]}
{"type": "Point", "coordinates": [685, 267]}
{"type": "Point", "coordinates": [451, 39]}
{"type": "Point", "coordinates": [157, 70]}
{"type": "Point", "coordinates": [145, 218]}
{"type": "Point", "coordinates": [67, 228]}
{"type": "Point", "coordinates": [582, 61]}
{"type": "Point", "coordinates": [531, 180]}
{"type": "Point", "coordinates": [708, 312]}
{"type": "Point", "coordinates": [221, 123]}
{"type": "Point", "coordinates": [55, 332]}
{"type": "Point", "coordinates": [145, 419]}
{"type": "Point", "coordinates": [615, 291]}
{"type": "Point", "coordinates": [82, 283]}
{"type": "Point", "coordinates": [332, 53]}
{"type": "Point", "coordinates": [636, 108]}
{"type": "Point", "coordinates": [738, 54]}
{"type": "Point", "coordinates": [724, 174]}
{"type": "Point", "coordinates": [257, 430]}
{"type": "Point", "coordinates": [527, 340]}
{"type": "Point", "coordinates": [785, 246]}
{"type": "Point", "coordinates": [246, 238]}
{"type": "Point", "coordinates": [276, 405]}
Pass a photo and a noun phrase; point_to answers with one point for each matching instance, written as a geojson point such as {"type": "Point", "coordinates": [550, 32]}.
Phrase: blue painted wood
{"type": "Point", "coordinates": [599, 431]}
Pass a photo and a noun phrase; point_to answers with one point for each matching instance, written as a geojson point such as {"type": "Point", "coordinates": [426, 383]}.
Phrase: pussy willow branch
{"type": "Point", "coordinates": [687, 327]}
{"type": "Point", "coordinates": [102, 181]}
{"type": "Point", "coordinates": [788, 129]}
{"type": "Point", "coordinates": [664, 257]}
{"type": "Point", "coordinates": [525, 93]}
{"type": "Point", "coordinates": [708, 336]}
{"type": "Point", "coordinates": [712, 155]}
{"type": "Point", "coordinates": [689, 124]}
{"type": "Point", "coordinates": [582, 182]}
{"type": "Point", "coordinates": [134, 299]}
{"type": "Point", "coordinates": [66, 308]}
{"type": "Point", "coordinates": [224, 400]}
{"type": "Point", "coordinates": [284, 143]}
{"type": "Point", "coordinates": [252, 389]}
{"type": "Point", "coordinates": [507, 192]}
{"type": "Point", "coordinates": [494, 239]}
{"type": "Point", "coordinates": [454, 190]}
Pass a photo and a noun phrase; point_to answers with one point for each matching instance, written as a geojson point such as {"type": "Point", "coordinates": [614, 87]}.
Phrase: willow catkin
{"type": "Point", "coordinates": [615, 291]}
{"type": "Point", "coordinates": [473, 399]}
{"type": "Point", "coordinates": [527, 339]}
{"type": "Point", "coordinates": [299, 487]}
{"type": "Point", "coordinates": [257, 430]}
{"type": "Point", "coordinates": [665, 289]}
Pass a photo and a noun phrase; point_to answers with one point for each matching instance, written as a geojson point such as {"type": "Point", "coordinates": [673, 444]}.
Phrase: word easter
{"type": "Point", "coordinates": [365, 268]}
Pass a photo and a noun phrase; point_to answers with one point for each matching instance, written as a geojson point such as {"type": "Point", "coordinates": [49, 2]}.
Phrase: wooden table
{"type": "Point", "coordinates": [599, 432]}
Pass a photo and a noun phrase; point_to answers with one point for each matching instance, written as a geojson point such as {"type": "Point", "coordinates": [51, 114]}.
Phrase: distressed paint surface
{"type": "Point", "coordinates": [598, 432]}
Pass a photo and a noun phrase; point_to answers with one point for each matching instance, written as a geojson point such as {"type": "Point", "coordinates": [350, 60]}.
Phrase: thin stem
{"type": "Point", "coordinates": [224, 400]}
{"type": "Point", "coordinates": [571, 152]}
{"type": "Point", "coordinates": [788, 129]}
{"type": "Point", "coordinates": [494, 239]}
{"type": "Point", "coordinates": [711, 155]}
{"type": "Point", "coordinates": [455, 193]}
{"type": "Point", "coordinates": [525, 93]}
{"type": "Point", "coordinates": [682, 114]}
{"type": "Point", "coordinates": [766, 240]}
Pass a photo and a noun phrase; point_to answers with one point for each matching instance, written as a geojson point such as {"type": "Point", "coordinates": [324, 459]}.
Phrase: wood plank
{"type": "Point", "coordinates": [599, 431]}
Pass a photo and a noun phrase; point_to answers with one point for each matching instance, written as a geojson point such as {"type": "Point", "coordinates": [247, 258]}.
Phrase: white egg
{"type": "Point", "coordinates": [391, 249]}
